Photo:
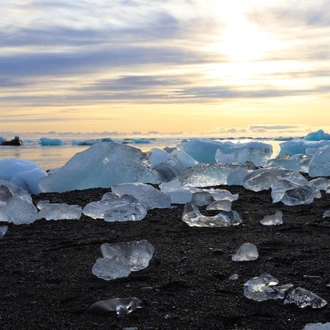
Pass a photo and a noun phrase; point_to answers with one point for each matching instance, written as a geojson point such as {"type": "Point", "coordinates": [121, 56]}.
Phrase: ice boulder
{"type": "Point", "coordinates": [146, 194]}
{"type": "Point", "coordinates": [50, 142]}
{"type": "Point", "coordinates": [23, 173]}
{"type": "Point", "coordinates": [102, 165]}
{"type": "Point", "coordinates": [317, 136]}
{"type": "Point", "coordinates": [320, 163]}
{"type": "Point", "coordinates": [240, 152]}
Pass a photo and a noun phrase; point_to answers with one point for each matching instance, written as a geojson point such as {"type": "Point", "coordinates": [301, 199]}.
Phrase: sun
{"type": "Point", "coordinates": [244, 41]}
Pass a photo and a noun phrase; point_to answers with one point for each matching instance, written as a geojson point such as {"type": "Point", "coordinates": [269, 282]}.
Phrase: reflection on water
{"type": "Point", "coordinates": [50, 157]}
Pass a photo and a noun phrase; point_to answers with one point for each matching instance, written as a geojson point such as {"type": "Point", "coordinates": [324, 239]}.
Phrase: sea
{"type": "Point", "coordinates": [54, 156]}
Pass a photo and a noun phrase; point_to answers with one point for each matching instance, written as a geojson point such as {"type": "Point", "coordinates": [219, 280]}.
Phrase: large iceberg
{"type": "Point", "coordinates": [102, 165]}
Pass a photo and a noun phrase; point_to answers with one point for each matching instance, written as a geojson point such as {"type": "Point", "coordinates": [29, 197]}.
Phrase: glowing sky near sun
{"type": "Point", "coordinates": [197, 67]}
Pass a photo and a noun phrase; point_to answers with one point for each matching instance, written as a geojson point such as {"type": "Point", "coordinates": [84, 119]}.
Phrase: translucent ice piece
{"type": "Point", "coordinates": [221, 194]}
{"type": "Point", "coordinates": [201, 198]}
{"type": "Point", "coordinates": [18, 211]}
{"type": "Point", "coordinates": [320, 184]}
{"type": "Point", "coordinates": [3, 230]}
{"type": "Point", "coordinates": [317, 326]}
{"type": "Point", "coordinates": [233, 277]}
{"type": "Point", "coordinates": [247, 252]}
{"type": "Point", "coordinates": [118, 199]}
{"type": "Point", "coordinates": [126, 306]}
{"type": "Point", "coordinates": [121, 258]}
{"type": "Point", "coordinates": [271, 220]}
{"type": "Point", "coordinates": [60, 212]}
{"type": "Point", "coordinates": [319, 165]}
{"type": "Point", "coordinates": [5, 194]}
{"type": "Point", "coordinates": [223, 205]}
{"type": "Point", "coordinates": [177, 193]}
{"type": "Point", "coordinates": [125, 212]}
{"type": "Point", "coordinates": [303, 298]}
{"type": "Point", "coordinates": [326, 214]}
{"type": "Point", "coordinates": [298, 196]}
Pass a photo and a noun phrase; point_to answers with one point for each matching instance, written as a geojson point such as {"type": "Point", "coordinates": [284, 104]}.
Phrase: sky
{"type": "Point", "coordinates": [216, 68]}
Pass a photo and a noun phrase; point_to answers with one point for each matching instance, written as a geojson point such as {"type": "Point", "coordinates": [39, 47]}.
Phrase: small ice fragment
{"type": "Point", "coordinates": [3, 230]}
{"type": "Point", "coordinates": [125, 212]}
{"type": "Point", "coordinates": [247, 252]}
{"type": "Point", "coordinates": [59, 212]}
{"type": "Point", "coordinates": [42, 204]}
{"type": "Point", "coordinates": [103, 306]}
{"type": "Point", "coordinates": [126, 306]}
{"type": "Point", "coordinates": [270, 220]}
{"type": "Point", "coordinates": [233, 277]}
{"type": "Point", "coordinates": [201, 198]}
{"type": "Point", "coordinates": [303, 298]}
{"type": "Point", "coordinates": [220, 205]}
{"type": "Point", "coordinates": [317, 326]}
{"type": "Point", "coordinates": [110, 269]}
{"type": "Point", "coordinates": [326, 214]}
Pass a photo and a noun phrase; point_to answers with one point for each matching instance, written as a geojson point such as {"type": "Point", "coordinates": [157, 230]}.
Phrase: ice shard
{"type": "Point", "coordinates": [317, 326]}
{"type": "Point", "coordinates": [319, 165]}
{"type": "Point", "coordinates": [126, 306]}
{"type": "Point", "coordinates": [247, 252]}
{"type": "Point", "coordinates": [57, 211]}
{"type": "Point", "coordinates": [303, 298]}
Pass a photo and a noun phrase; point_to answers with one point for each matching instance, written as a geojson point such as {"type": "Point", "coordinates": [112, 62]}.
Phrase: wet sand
{"type": "Point", "coordinates": [46, 280]}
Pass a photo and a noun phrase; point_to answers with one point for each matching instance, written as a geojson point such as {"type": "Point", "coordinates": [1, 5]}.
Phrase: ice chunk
{"type": "Point", "coordinates": [18, 211]}
{"type": "Point", "coordinates": [15, 190]}
{"type": "Point", "coordinates": [50, 142]}
{"type": "Point", "coordinates": [118, 199]}
{"type": "Point", "coordinates": [147, 195]}
{"type": "Point", "coordinates": [299, 146]}
{"type": "Point", "coordinates": [125, 212]}
{"type": "Point", "coordinates": [240, 152]}
{"type": "Point", "coordinates": [103, 307]}
{"type": "Point", "coordinates": [126, 306]}
{"type": "Point", "coordinates": [320, 184]}
{"type": "Point", "coordinates": [3, 230]}
{"type": "Point", "coordinates": [122, 258]}
{"type": "Point", "coordinates": [223, 194]}
{"type": "Point", "coordinates": [317, 326]}
{"type": "Point", "coordinates": [205, 175]}
{"type": "Point", "coordinates": [303, 298]}
{"type": "Point", "coordinates": [42, 204]}
{"type": "Point", "coordinates": [326, 214]}
{"type": "Point", "coordinates": [263, 178]}
{"type": "Point", "coordinates": [22, 173]}
{"type": "Point", "coordinates": [193, 217]}
{"type": "Point", "coordinates": [298, 196]}
{"type": "Point", "coordinates": [177, 193]}
{"type": "Point", "coordinates": [237, 177]}
{"type": "Point", "coordinates": [222, 205]}
{"type": "Point", "coordinates": [264, 287]}
{"type": "Point", "coordinates": [271, 220]}
{"type": "Point", "coordinates": [201, 198]}
{"type": "Point", "coordinates": [247, 252]}
{"type": "Point", "coordinates": [296, 162]}
{"type": "Point", "coordinates": [317, 136]}
{"type": "Point", "coordinates": [157, 156]}
{"type": "Point", "coordinates": [320, 163]}
{"type": "Point", "coordinates": [59, 211]}
{"type": "Point", "coordinates": [233, 277]}
{"type": "Point", "coordinates": [102, 165]}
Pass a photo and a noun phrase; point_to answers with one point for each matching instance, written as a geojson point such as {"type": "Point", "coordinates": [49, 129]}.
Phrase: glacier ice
{"type": "Point", "coordinates": [5, 194]}
{"type": "Point", "coordinates": [223, 194]}
{"type": "Point", "coordinates": [317, 136]}
{"type": "Point", "coordinates": [121, 258]}
{"type": "Point", "coordinates": [320, 163]}
{"type": "Point", "coordinates": [205, 175]}
{"type": "Point", "coordinates": [101, 165]}
{"type": "Point", "coordinates": [18, 210]}
{"type": "Point", "coordinates": [126, 306]}
{"type": "Point", "coordinates": [219, 205]}
{"type": "Point", "coordinates": [201, 198]}
{"type": "Point", "coordinates": [192, 216]}
{"type": "Point", "coordinates": [299, 146]}
{"type": "Point", "coordinates": [317, 326]}
{"type": "Point", "coordinates": [252, 151]}
{"type": "Point", "coordinates": [3, 230]}
{"type": "Point", "coordinates": [246, 252]}
{"type": "Point", "coordinates": [303, 298]}
{"type": "Point", "coordinates": [320, 184]}
{"type": "Point", "coordinates": [177, 193]}
{"type": "Point", "coordinates": [264, 287]}
{"type": "Point", "coordinates": [57, 211]}
{"type": "Point", "coordinates": [24, 173]}
{"type": "Point", "coordinates": [147, 195]}
{"type": "Point", "coordinates": [296, 162]}
{"type": "Point", "coordinates": [274, 219]}
{"type": "Point", "coordinates": [50, 142]}
{"type": "Point", "coordinates": [125, 212]}
{"type": "Point", "coordinates": [237, 177]}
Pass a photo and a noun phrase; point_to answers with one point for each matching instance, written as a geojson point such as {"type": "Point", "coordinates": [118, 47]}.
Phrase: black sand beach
{"type": "Point", "coordinates": [46, 280]}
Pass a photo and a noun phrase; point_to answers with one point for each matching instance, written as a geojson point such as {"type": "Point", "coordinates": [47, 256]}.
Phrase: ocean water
{"type": "Point", "coordinates": [50, 157]}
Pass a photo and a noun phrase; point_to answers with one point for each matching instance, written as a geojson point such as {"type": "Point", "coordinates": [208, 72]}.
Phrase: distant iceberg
{"type": "Point", "coordinates": [317, 136]}
{"type": "Point", "coordinates": [50, 142]}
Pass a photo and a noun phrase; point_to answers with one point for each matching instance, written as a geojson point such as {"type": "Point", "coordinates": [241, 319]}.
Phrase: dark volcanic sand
{"type": "Point", "coordinates": [46, 280]}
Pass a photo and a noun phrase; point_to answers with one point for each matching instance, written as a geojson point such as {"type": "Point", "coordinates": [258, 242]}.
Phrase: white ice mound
{"type": "Point", "coordinates": [320, 163]}
{"type": "Point", "coordinates": [253, 151]}
{"type": "Point", "coordinates": [23, 173]}
{"type": "Point", "coordinates": [247, 252]}
{"type": "Point", "coordinates": [122, 258]}
{"type": "Point", "coordinates": [147, 195]}
{"type": "Point", "coordinates": [102, 165]}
